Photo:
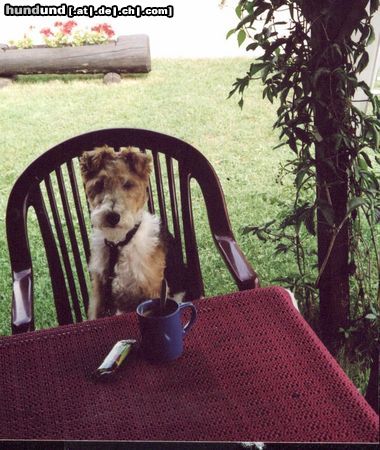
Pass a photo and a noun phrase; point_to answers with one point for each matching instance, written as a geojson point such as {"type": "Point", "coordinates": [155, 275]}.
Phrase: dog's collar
{"type": "Point", "coordinates": [126, 241]}
{"type": "Point", "coordinates": [113, 257]}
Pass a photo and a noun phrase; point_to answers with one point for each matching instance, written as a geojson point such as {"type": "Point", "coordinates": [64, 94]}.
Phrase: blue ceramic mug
{"type": "Point", "coordinates": [162, 334]}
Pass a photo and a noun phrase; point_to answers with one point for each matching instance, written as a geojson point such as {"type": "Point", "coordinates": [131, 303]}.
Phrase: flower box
{"type": "Point", "coordinates": [128, 54]}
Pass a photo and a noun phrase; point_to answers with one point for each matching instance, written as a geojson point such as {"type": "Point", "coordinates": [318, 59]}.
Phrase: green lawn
{"type": "Point", "coordinates": [184, 98]}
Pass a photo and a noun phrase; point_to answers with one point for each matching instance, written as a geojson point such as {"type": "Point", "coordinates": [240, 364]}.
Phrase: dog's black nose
{"type": "Point", "coordinates": [113, 218]}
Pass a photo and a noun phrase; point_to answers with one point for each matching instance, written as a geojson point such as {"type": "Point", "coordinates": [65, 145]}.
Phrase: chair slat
{"type": "Point", "coordinates": [84, 189]}
{"type": "Point", "coordinates": [74, 245]}
{"type": "Point", "coordinates": [160, 189]}
{"type": "Point", "coordinates": [195, 282]}
{"type": "Point", "coordinates": [150, 199]}
{"type": "Point", "coordinates": [60, 294]}
{"type": "Point", "coordinates": [63, 247]}
{"type": "Point", "coordinates": [79, 209]}
{"type": "Point", "coordinates": [150, 192]}
{"type": "Point", "coordinates": [174, 203]}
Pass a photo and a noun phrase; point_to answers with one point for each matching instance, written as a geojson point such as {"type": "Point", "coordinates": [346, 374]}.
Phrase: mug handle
{"type": "Point", "coordinates": [190, 323]}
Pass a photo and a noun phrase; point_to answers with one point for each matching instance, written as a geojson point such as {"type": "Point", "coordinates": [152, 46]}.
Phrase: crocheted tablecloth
{"type": "Point", "coordinates": [252, 370]}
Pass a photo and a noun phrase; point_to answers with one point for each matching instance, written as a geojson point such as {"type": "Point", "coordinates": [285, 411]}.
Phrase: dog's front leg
{"type": "Point", "coordinates": [97, 300]}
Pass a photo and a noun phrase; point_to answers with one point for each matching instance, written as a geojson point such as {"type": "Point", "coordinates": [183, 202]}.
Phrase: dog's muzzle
{"type": "Point", "coordinates": [113, 218]}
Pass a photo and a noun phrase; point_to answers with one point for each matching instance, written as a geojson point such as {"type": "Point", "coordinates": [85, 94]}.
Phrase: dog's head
{"type": "Point", "coordinates": [116, 186]}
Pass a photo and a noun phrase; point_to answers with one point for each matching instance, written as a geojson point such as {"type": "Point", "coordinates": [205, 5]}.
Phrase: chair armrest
{"type": "Point", "coordinates": [22, 304]}
{"type": "Point", "coordinates": [243, 273]}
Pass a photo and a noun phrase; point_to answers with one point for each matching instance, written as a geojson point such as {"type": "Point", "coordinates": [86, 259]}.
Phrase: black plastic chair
{"type": "Point", "coordinates": [67, 204]}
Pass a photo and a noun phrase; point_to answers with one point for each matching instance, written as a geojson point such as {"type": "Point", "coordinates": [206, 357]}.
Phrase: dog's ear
{"type": "Point", "coordinates": [139, 163]}
{"type": "Point", "coordinates": [91, 162]}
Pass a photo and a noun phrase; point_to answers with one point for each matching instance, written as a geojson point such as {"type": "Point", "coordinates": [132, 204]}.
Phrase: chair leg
{"type": "Point", "coordinates": [372, 394]}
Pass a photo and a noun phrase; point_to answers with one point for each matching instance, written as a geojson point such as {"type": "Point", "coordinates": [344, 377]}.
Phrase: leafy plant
{"type": "Point", "coordinates": [310, 70]}
{"type": "Point", "coordinates": [68, 34]}
{"type": "Point", "coordinates": [25, 42]}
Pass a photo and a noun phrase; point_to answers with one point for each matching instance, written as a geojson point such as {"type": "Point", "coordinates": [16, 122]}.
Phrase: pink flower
{"type": "Point", "coordinates": [46, 32]}
{"type": "Point", "coordinates": [68, 26]}
{"type": "Point", "coordinates": [108, 29]}
{"type": "Point", "coordinates": [109, 32]}
{"type": "Point", "coordinates": [103, 28]}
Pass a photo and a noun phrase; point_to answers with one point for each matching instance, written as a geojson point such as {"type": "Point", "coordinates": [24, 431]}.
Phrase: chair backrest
{"type": "Point", "coordinates": [53, 187]}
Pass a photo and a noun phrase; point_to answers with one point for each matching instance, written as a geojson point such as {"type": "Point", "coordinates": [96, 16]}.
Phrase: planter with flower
{"type": "Point", "coordinates": [68, 49]}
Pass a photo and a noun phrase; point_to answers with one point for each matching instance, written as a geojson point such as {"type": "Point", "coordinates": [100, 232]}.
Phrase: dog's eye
{"type": "Point", "coordinates": [99, 186]}
{"type": "Point", "coordinates": [128, 185]}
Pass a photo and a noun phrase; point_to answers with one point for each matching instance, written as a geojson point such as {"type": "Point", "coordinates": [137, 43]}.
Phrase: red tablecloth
{"type": "Point", "coordinates": [252, 370]}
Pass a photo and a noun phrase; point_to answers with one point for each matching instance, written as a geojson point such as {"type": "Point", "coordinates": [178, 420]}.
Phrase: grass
{"type": "Point", "coordinates": [184, 98]}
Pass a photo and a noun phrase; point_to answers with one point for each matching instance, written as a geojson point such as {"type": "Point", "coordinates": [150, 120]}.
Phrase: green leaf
{"type": "Point", "coordinates": [281, 248]}
{"type": "Point", "coordinates": [240, 85]}
{"type": "Point", "coordinates": [363, 62]}
{"type": "Point", "coordinates": [249, 7]}
{"type": "Point", "coordinates": [248, 19]}
{"type": "Point", "coordinates": [261, 8]}
{"type": "Point", "coordinates": [261, 236]}
{"type": "Point", "coordinates": [284, 94]}
{"type": "Point", "coordinates": [309, 221]}
{"type": "Point", "coordinates": [265, 72]}
{"type": "Point", "coordinates": [238, 10]}
{"type": "Point", "coordinates": [373, 6]}
{"type": "Point", "coordinates": [279, 145]}
{"type": "Point", "coordinates": [241, 37]}
{"type": "Point", "coordinates": [328, 211]}
{"type": "Point", "coordinates": [302, 135]}
{"type": "Point", "coordinates": [366, 159]}
{"type": "Point", "coordinates": [305, 79]}
{"type": "Point", "coordinates": [252, 46]}
{"type": "Point", "coordinates": [299, 177]}
{"type": "Point", "coordinates": [270, 95]}
{"type": "Point", "coordinates": [372, 35]}
{"type": "Point", "coordinates": [254, 68]}
{"type": "Point", "coordinates": [292, 144]}
{"type": "Point", "coordinates": [376, 136]}
{"type": "Point", "coordinates": [230, 33]}
{"type": "Point", "coordinates": [274, 46]}
{"type": "Point", "coordinates": [371, 317]}
{"type": "Point", "coordinates": [354, 203]}
{"type": "Point", "coordinates": [362, 163]}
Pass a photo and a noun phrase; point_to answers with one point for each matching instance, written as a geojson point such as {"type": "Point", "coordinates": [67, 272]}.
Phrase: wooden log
{"type": "Point", "coordinates": [129, 54]}
{"type": "Point", "coordinates": [111, 78]}
{"type": "Point", "coordinates": [5, 82]}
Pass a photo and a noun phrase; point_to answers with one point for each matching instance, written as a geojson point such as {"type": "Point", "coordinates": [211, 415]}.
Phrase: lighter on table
{"type": "Point", "coordinates": [115, 358]}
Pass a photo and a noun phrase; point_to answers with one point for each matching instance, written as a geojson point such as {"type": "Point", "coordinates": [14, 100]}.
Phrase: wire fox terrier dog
{"type": "Point", "coordinates": [129, 248]}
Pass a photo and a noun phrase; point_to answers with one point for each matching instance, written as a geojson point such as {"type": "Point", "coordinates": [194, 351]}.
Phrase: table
{"type": "Point", "coordinates": [253, 370]}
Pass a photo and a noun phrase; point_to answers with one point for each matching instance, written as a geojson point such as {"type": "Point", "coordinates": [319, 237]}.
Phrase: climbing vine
{"type": "Point", "coordinates": [309, 64]}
